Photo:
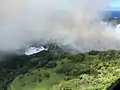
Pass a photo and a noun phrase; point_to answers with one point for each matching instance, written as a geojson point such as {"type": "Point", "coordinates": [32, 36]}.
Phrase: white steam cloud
{"type": "Point", "coordinates": [72, 23]}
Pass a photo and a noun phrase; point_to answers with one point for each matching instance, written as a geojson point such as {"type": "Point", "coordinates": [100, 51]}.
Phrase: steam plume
{"type": "Point", "coordinates": [72, 23]}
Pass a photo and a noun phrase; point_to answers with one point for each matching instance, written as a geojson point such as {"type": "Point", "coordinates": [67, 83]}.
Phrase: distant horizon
{"type": "Point", "coordinates": [112, 9]}
{"type": "Point", "coordinates": [112, 13]}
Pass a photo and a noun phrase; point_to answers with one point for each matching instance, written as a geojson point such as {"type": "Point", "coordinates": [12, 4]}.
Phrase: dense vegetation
{"type": "Point", "coordinates": [57, 70]}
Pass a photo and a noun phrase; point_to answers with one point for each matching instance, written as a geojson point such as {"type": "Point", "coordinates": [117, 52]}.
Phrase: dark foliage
{"type": "Point", "coordinates": [16, 65]}
{"type": "Point", "coordinates": [115, 85]}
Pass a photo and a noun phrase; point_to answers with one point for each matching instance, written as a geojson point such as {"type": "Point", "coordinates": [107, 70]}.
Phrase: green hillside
{"type": "Point", "coordinates": [50, 70]}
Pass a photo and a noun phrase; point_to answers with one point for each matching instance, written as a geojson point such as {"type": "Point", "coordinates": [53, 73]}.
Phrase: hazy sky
{"type": "Point", "coordinates": [115, 4]}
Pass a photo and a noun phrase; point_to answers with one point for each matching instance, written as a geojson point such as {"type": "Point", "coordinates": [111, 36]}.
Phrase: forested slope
{"type": "Point", "coordinates": [54, 70]}
{"type": "Point", "coordinates": [57, 70]}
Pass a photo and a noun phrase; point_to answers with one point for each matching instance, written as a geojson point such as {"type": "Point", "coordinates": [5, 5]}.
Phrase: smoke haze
{"type": "Point", "coordinates": [72, 23]}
